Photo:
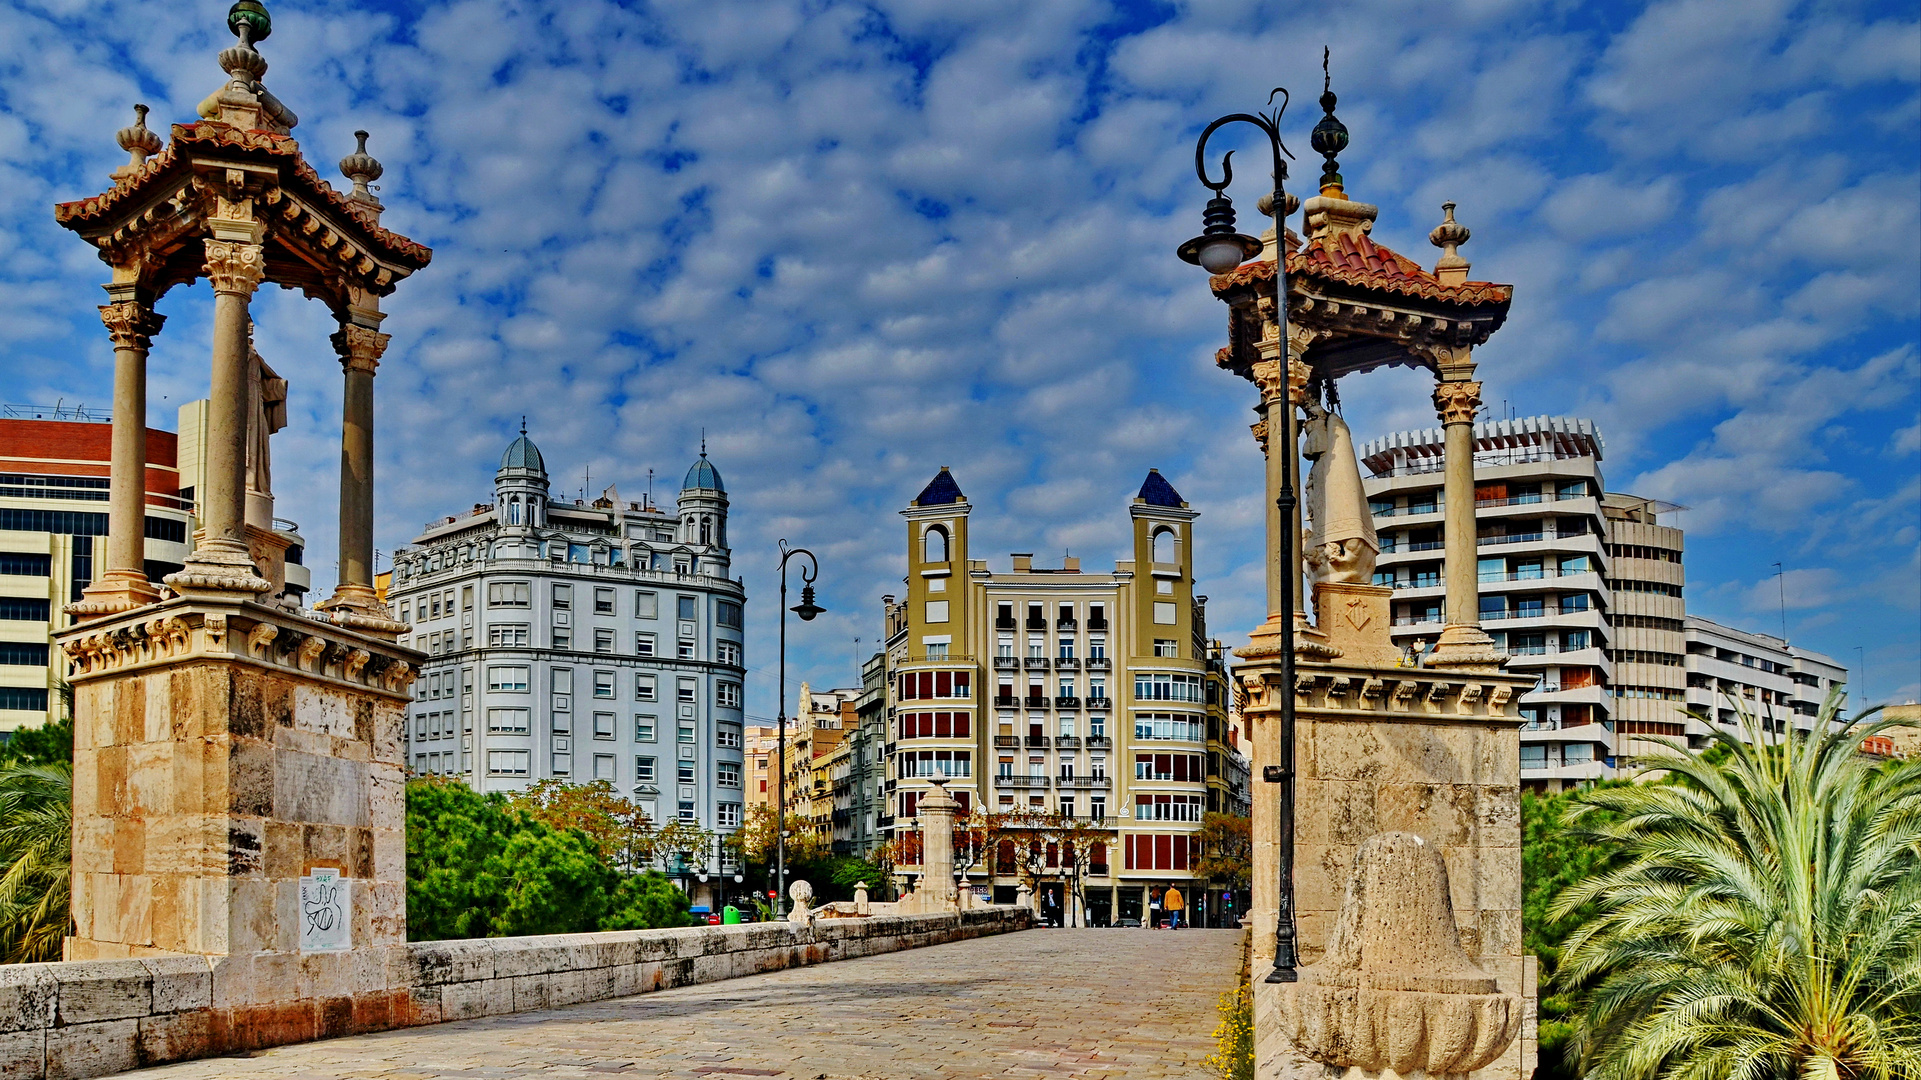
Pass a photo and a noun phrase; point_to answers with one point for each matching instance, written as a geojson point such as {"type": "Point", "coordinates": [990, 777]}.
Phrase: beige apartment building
{"type": "Point", "coordinates": [1095, 695]}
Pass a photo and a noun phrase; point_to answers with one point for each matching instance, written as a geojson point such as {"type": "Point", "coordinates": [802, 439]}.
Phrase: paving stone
{"type": "Point", "coordinates": [1052, 1004]}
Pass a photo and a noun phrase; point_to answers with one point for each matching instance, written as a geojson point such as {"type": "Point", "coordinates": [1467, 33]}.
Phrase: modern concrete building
{"type": "Point", "coordinates": [580, 641]}
{"type": "Point", "coordinates": [1582, 587]}
{"type": "Point", "coordinates": [1727, 670]}
{"type": "Point", "coordinates": [1094, 695]}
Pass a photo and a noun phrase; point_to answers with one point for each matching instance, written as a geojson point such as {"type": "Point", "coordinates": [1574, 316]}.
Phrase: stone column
{"type": "Point", "coordinates": [123, 585]}
{"type": "Point", "coordinates": [221, 561]}
{"type": "Point", "coordinates": [1457, 399]}
{"type": "Point", "coordinates": [360, 348]}
{"type": "Point", "coordinates": [937, 842]}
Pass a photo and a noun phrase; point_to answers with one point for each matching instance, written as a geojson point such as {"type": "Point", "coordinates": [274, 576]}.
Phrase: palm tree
{"type": "Point", "coordinates": [1764, 922]}
{"type": "Point", "coordinates": [36, 860]}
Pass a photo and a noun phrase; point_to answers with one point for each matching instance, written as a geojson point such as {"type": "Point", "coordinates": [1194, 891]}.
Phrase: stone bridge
{"type": "Point", "coordinates": [1079, 1004]}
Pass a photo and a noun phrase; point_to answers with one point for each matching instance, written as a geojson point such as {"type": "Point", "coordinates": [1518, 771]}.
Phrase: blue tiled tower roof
{"type": "Point", "coordinates": [940, 490]}
{"type": "Point", "coordinates": [523, 454]}
{"type": "Point", "coordinates": [703, 477]}
{"type": "Point", "coordinates": [1156, 491]}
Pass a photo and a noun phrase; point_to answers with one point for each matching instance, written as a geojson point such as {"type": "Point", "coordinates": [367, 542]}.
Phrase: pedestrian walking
{"type": "Point", "coordinates": [1172, 903]}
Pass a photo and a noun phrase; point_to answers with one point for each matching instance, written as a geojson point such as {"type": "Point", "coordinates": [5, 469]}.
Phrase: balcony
{"type": "Point", "coordinates": [1087, 783]}
{"type": "Point", "coordinates": [1096, 622]}
{"type": "Point", "coordinates": [1004, 622]}
{"type": "Point", "coordinates": [1098, 869]}
{"type": "Point", "coordinates": [1099, 742]}
{"type": "Point", "coordinates": [1006, 701]}
{"type": "Point", "coordinates": [1037, 742]}
{"type": "Point", "coordinates": [1036, 663]}
{"type": "Point", "coordinates": [1096, 663]}
{"type": "Point", "coordinates": [1035, 701]}
{"type": "Point", "coordinates": [1098, 703]}
{"type": "Point", "coordinates": [1066, 663]}
{"type": "Point", "coordinates": [1007, 742]}
{"type": "Point", "coordinates": [1067, 702]}
{"type": "Point", "coordinates": [1009, 780]}
{"type": "Point", "coordinates": [1036, 623]}
{"type": "Point", "coordinates": [1007, 663]}
{"type": "Point", "coordinates": [1066, 740]}
{"type": "Point", "coordinates": [1065, 624]}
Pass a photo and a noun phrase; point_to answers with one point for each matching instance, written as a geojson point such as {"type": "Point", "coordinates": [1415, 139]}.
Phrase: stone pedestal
{"type": "Point", "coordinates": [1379, 748]}
{"type": "Point", "coordinates": [221, 752]}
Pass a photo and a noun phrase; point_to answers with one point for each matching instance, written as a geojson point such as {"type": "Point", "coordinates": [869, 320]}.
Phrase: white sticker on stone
{"type": "Point", "coordinates": [326, 912]}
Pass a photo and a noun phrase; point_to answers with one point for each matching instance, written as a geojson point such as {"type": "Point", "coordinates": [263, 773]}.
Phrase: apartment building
{"type": "Point", "coordinates": [1584, 588]}
{"type": "Point", "coordinates": [1090, 694]}
{"type": "Point", "coordinates": [581, 642]}
{"type": "Point", "coordinates": [821, 723]}
{"type": "Point", "coordinates": [1728, 670]}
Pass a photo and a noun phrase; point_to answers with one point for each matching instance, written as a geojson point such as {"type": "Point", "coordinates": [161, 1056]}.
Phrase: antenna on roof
{"type": "Point", "coordinates": [650, 489]}
{"type": "Point", "coordinates": [523, 425]}
{"type": "Point", "coordinates": [703, 442]}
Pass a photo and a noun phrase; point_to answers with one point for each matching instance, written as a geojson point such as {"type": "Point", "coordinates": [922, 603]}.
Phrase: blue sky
{"type": "Point", "coordinates": [858, 241]}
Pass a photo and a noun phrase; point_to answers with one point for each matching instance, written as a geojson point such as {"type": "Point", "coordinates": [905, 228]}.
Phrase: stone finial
{"type": "Point", "coordinates": [1449, 235]}
{"type": "Point", "coordinates": [137, 141]}
{"type": "Point", "coordinates": [243, 101]}
{"type": "Point", "coordinates": [362, 169]}
{"type": "Point", "coordinates": [1395, 992]}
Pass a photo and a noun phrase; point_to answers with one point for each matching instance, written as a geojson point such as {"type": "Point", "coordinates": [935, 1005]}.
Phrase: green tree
{"type": "Point", "coordinates": [1764, 919]}
{"type": "Point", "coordinates": [1556, 855]}
{"type": "Point", "coordinates": [36, 860]}
{"type": "Point", "coordinates": [48, 744]}
{"type": "Point", "coordinates": [645, 901]}
{"type": "Point", "coordinates": [1227, 850]}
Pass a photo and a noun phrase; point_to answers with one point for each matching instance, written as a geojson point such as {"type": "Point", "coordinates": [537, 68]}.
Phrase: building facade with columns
{"type": "Point", "coordinates": [1093, 694]}
{"type": "Point", "coordinates": [580, 641]}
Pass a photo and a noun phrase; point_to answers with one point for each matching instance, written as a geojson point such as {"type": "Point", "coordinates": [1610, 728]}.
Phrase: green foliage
{"type": "Point", "coordinates": [36, 863]}
{"type": "Point", "coordinates": [1554, 857]}
{"type": "Point", "coordinates": [48, 744]}
{"type": "Point", "coordinates": [1762, 918]}
{"type": "Point", "coordinates": [1227, 850]}
{"type": "Point", "coordinates": [479, 867]}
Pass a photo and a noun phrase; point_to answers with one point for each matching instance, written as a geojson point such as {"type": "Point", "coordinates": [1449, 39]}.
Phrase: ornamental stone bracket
{"type": "Point", "coordinates": [185, 629]}
{"type": "Point", "coordinates": [1335, 691]}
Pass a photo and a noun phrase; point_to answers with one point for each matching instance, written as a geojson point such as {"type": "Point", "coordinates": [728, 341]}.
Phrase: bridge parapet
{"type": "Point", "coordinates": [94, 1018]}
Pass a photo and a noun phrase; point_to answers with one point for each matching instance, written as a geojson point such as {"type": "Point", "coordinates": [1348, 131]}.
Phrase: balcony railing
{"type": "Point", "coordinates": [1036, 624]}
{"type": "Point", "coordinates": [1389, 547]}
{"type": "Point", "coordinates": [1007, 742]}
{"type": "Point", "coordinates": [1067, 702]}
{"type": "Point", "coordinates": [1036, 663]}
{"type": "Point", "coordinates": [1098, 703]}
{"type": "Point", "coordinates": [1090, 783]}
{"type": "Point", "coordinates": [1038, 742]}
{"type": "Point", "coordinates": [1064, 624]}
{"type": "Point", "coordinates": [1096, 624]}
{"type": "Point", "coordinates": [1011, 780]}
{"type": "Point", "coordinates": [1099, 742]}
{"type": "Point", "coordinates": [1036, 702]}
{"type": "Point", "coordinates": [1066, 740]}
{"type": "Point", "coordinates": [1005, 663]}
{"type": "Point", "coordinates": [1006, 701]}
{"type": "Point", "coordinates": [1096, 663]}
{"type": "Point", "coordinates": [1005, 622]}
{"type": "Point", "coordinates": [1066, 662]}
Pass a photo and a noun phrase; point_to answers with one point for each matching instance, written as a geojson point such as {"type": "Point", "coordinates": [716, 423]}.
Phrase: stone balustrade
{"type": "Point", "coordinates": [98, 1017]}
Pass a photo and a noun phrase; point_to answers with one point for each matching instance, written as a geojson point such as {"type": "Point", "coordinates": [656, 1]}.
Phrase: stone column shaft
{"type": "Point", "coordinates": [122, 584]}
{"type": "Point", "coordinates": [1460, 532]}
{"type": "Point", "coordinates": [354, 599]}
{"type": "Point", "coordinates": [1273, 442]}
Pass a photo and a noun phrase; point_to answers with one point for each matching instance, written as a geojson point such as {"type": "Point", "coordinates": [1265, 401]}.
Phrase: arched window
{"type": "Point", "coordinates": [935, 544]}
{"type": "Point", "coordinates": [513, 510]}
{"type": "Point", "coordinates": [706, 530]}
{"type": "Point", "coordinates": [1164, 546]}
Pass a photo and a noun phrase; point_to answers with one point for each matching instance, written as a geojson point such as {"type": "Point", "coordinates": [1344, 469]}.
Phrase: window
{"type": "Point", "coordinates": [1183, 768]}
{"type": "Point", "coordinates": [603, 601]}
{"type": "Point", "coordinates": [727, 695]}
{"type": "Point", "coordinates": [727, 774]}
{"type": "Point", "coordinates": [915, 685]}
{"type": "Point", "coordinates": [644, 688]}
{"type": "Point", "coordinates": [643, 770]}
{"type": "Point", "coordinates": [643, 644]}
{"type": "Point", "coordinates": [603, 766]}
{"type": "Point", "coordinates": [509, 594]}
{"type": "Point", "coordinates": [1167, 726]}
{"type": "Point", "coordinates": [603, 641]}
{"type": "Point", "coordinates": [936, 725]}
{"type": "Point", "coordinates": [684, 772]}
{"type": "Point", "coordinates": [727, 653]}
{"type": "Point", "coordinates": [563, 639]}
{"type": "Point", "coordinates": [1164, 613]}
{"type": "Point", "coordinates": [1097, 648]}
{"type": "Point", "coordinates": [1167, 808]}
{"type": "Point", "coordinates": [509, 762]}
{"type": "Point", "coordinates": [1097, 689]}
{"type": "Point", "coordinates": [1164, 546]}
{"type": "Point", "coordinates": [935, 545]}
{"type": "Point", "coordinates": [579, 553]}
{"type": "Point", "coordinates": [686, 733]}
{"type": "Point", "coordinates": [686, 692]}
{"type": "Point", "coordinates": [604, 725]}
{"type": "Point", "coordinates": [728, 736]}
{"type": "Point", "coordinates": [727, 613]}
{"type": "Point", "coordinates": [687, 607]}
{"type": "Point", "coordinates": [928, 763]}
{"type": "Point", "coordinates": [646, 605]}
{"type": "Point", "coordinates": [643, 728]}
{"type": "Point", "coordinates": [1166, 647]}
{"type": "Point", "coordinates": [685, 811]}
{"type": "Point", "coordinates": [937, 650]}
{"type": "Point", "coordinates": [1163, 687]}
{"type": "Point", "coordinates": [507, 679]}
{"type": "Point", "coordinates": [727, 815]}
{"type": "Point", "coordinates": [604, 684]}
{"type": "Point", "coordinates": [937, 611]}
{"type": "Point", "coordinates": [1067, 648]}
{"type": "Point", "coordinates": [685, 650]}
{"type": "Point", "coordinates": [563, 597]}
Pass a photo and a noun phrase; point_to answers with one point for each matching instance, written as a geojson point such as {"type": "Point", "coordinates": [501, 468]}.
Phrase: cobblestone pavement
{"type": "Point", "coordinates": [1079, 1004]}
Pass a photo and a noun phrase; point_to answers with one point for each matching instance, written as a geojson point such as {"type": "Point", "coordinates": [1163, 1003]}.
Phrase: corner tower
{"type": "Point", "coordinates": [702, 506]}
{"type": "Point", "coordinates": [520, 486]}
{"type": "Point", "coordinates": [1163, 555]}
{"type": "Point", "coordinates": [937, 564]}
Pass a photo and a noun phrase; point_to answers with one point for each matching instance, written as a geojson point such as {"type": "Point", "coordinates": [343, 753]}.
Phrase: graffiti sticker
{"type": "Point", "coordinates": [326, 912]}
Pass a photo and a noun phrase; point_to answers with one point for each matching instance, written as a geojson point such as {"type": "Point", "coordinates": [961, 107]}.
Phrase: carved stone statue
{"type": "Point", "coordinates": [1338, 541]}
{"type": "Point", "coordinates": [266, 414]}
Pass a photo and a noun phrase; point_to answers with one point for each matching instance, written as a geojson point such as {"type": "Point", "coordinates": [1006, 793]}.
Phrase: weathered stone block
{"type": "Point", "coordinates": [178, 1036]}
{"type": "Point", "coordinates": [432, 963]}
{"type": "Point", "coordinates": [102, 990]}
{"type": "Point", "coordinates": [27, 996]}
{"type": "Point", "coordinates": [180, 983]}
{"type": "Point", "coordinates": [23, 1053]}
{"type": "Point", "coordinates": [97, 1049]}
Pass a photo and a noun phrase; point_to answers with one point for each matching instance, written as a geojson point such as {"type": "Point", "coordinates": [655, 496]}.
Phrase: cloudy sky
{"type": "Point", "coordinates": [858, 241]}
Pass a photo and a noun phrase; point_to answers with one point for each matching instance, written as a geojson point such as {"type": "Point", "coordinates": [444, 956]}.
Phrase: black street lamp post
{"type": "Point", "coordinates": [807, 610]}
{"type": "Point", "coordinates": [1218, 250]}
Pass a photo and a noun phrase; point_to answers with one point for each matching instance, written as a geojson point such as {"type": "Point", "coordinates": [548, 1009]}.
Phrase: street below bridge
{"type": "Point", "coordinates": [1071, 1004]}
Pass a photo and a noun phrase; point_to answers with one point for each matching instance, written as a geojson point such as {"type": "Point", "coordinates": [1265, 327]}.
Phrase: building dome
{"type": "Point", "coordinates": [523, 454]}
{"type": "Point", "coordinates": [703, 477]}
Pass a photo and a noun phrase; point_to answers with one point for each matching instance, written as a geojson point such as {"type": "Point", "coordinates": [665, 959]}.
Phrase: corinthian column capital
{"type": "Point", "coordinates": [360, 349]}
{"type": "Point", "coordinates": [1457, 402]}
{"type": "Point", "coordinates": [234, 267]}
{"type": "Point", "coordinates": [131, 324]}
